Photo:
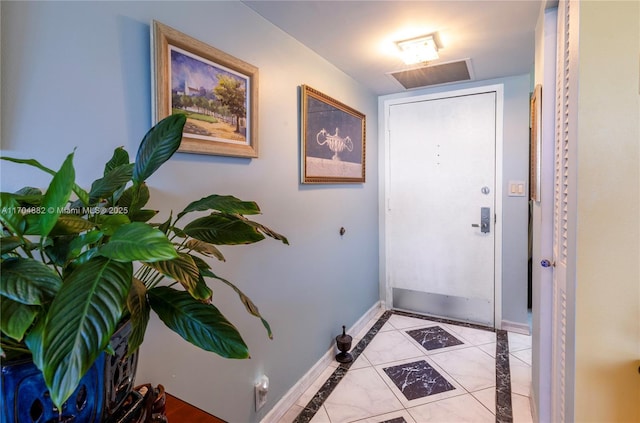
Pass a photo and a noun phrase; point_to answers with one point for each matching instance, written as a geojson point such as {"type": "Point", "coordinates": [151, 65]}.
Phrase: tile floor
{"type": "Point", "coordinates": [412, 370]}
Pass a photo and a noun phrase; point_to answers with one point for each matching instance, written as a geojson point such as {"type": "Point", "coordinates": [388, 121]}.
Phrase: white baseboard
{"type": "Point", "coordinates": [289, 399]}
{"type": "Point", "coordinates": [516, 327]}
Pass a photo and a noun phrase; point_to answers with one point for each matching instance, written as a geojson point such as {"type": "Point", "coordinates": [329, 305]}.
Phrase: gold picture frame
{"type": "Point", "coordinates": [333, 141]}
{"type": "Point", "coordinates": [536, 143]}
{"type": "Point", "coordinates": [217, 92]}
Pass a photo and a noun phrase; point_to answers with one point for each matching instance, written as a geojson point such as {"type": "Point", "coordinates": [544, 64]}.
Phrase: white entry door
{"type": "Point", "coordinates": [441, 206]}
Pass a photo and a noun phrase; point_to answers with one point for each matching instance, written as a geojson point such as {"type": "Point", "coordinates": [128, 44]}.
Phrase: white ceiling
{"type": "Point", "coordinates": [358, 36]}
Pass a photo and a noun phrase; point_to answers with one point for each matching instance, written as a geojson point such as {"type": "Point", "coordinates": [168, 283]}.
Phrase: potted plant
{"type": "Point", "coordinates": [77, 263]}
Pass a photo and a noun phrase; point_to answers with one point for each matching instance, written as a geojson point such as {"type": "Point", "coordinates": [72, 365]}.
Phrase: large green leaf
{"type": "Point", "coordinates": [33, 341]}
{"type": "Point", "coordinates": [68, 224]}
{"type": "Point", "coordinates": [223, 203]}
{"type": "Point", "coordinates": [29, 196]}
{"type": "Point", "coordinates": [80, 322]}
{"type": "Point", "coordinates": [267, 231]}
{"type": "Point", "coordinates": [120, 157]}
{"type": "Point", "coordinates": [202, 291]}
{"type": "Point", "coordinates": [248, 304]}
{"type": "Point", "coordinates": [134, 198]}
{"type": "Point", "coordinates": [143, 215]}
{"type": "Point", "coordinates": [157, 146]}
{"type": "Point", "coordinates": [109, 223]}
{"type": "Point", "coordinates": [111, 182]}
{"type": "Point", "coordinates": [10, 243]}
{"type": "Point", "coordinates": [28, 281]}
{"type": "Point", "coordinates": [58, 249]}
{"type": "Point", "coordinates": [179, 232]}
{"type": "Point", "coordinates": [10, 215]}
{"type": "Point", "coordinates": [57, 195]}
{"type": "Point", "coordinates": [139, 311]}
{"type": "Point", "coordinates": [203, 267]}
{"type": "Point", "coordinates": [16, 317]}
{"type": "Point", "coordinates": [204, 248]}
{"type": "Point", "coordinates": [78, 243]}
{"type": "Point", "coordinates": [81, 193]}
{"type": "Point", "coordinates": [204, 270]}
{"type": "Point", "coordinates": [200, 324]}
{"type": "Point", "coordinates": [138, 242]}
{"type": "Point", "coordinates": [32, 224]}
{"type": "Point", "coordinates": [11, 350]}
{"type": "Point", "coordinates": [221, 229]}
{"type": "Point", "coordinates": [86, 255]}
{"type": "Point", "coordinates": [184, 270]}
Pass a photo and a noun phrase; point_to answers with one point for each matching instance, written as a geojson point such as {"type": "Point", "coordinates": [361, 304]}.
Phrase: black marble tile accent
{"type": "Point", "coordinates": [504, 410]}
{"type": "Point", "coordinates": [434, 337]}
{"type": "Point", "coordinates": [418, 379]}
{"type": "Point", "coordinates": [318, 399]}
{"type": "Point", "coordinates": [442, 320]}
{"type": "Point", "coordinates": [323, 393]}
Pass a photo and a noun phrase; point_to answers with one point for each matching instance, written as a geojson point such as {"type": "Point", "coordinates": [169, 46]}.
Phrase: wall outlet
{"type": "Point", "coordinates": [261, 389]}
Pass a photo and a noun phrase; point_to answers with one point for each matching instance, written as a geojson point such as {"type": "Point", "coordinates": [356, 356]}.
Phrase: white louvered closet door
{"type": "Point", "coordinates": [564, 214]}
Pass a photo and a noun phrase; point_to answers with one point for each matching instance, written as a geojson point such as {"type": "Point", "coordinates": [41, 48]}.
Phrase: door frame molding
{"type": "Point", "coordinates": [386, 292]}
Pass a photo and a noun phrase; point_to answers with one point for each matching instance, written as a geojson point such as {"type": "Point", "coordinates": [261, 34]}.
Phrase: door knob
{"type": "Point", "coordinates": [547, 263]}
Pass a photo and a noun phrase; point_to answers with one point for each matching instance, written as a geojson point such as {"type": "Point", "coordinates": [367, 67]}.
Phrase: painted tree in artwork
{"type": "Point", "coordinates": [231, 93]}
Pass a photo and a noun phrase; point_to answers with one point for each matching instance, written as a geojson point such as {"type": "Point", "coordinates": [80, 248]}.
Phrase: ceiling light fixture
{"type": "Point", "coordinates": [419, 49]}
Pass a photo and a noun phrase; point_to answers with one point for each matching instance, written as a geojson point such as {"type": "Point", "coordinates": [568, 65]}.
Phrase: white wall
{"type": "Point", "coordinates": [515, 209]}
{"type": "Point", "coordinates": [607, 284]}
{"type": "Point", "coordinates": [77, 74]}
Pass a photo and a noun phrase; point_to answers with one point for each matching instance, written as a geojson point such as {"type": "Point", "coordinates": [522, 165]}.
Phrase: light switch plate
{"type": "Point", "coordinates": [517, 189]}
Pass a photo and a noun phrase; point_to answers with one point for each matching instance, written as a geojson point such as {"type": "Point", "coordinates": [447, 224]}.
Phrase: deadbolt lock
{"type": "Point", "coordinates": [485, 220]}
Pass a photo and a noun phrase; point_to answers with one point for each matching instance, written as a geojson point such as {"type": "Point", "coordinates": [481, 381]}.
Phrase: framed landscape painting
{"type": "Point", "coordinates": [216, 91]}
{"type": "Point", "coordinates": [333, 140]}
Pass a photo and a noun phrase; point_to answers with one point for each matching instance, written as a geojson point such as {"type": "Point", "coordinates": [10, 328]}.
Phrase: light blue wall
{"type": "Point", "coordinates": [77, 74]}
{"type": "Point", "coordinates": [515, 168]}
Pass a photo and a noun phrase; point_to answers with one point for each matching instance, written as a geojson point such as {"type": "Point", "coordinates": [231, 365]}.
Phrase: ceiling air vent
{"type": "Point", "coordinates": [434, 74]}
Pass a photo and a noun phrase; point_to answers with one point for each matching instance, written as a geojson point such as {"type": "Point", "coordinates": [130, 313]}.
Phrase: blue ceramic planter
{"type": "Point", "coordinates": [119, 373]}
{"type": "Point", "coordinates": [25, 397]}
